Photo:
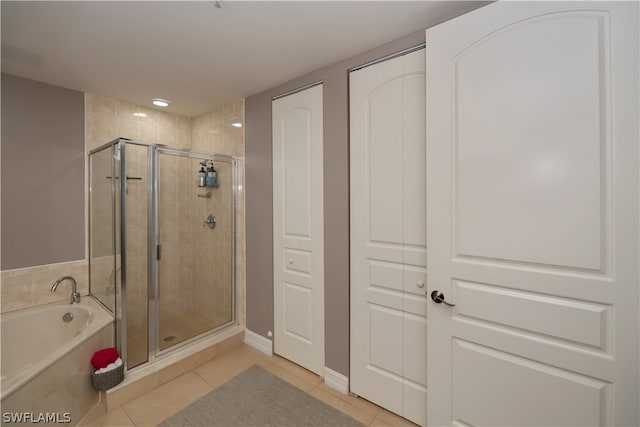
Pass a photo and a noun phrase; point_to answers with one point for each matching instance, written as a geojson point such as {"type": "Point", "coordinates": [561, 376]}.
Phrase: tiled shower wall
{"type": "Point", "coordinates": [105, 120]}
{"type": "Point", "coordinates": [213, 133]}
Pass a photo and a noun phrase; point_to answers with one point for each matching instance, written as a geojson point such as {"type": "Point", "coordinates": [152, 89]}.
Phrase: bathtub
{"type": "Point", "coordinates": [45, 360]}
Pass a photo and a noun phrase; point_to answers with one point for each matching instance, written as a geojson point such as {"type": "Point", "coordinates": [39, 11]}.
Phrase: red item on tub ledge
{"type": "Point", "coordinates": [104, 357]}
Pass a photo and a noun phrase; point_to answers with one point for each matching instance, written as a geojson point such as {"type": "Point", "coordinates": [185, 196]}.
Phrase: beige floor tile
{"type": "Point", "coordinates": [166, 400]}
{"type": "Point", "coordinates": [352, 400]}
{"type": "Point", "coordinates": [365, 417]}
{"type": "Point", "coordinates": [181, 367]}
{"type": "Point", "coordinates": [117, 398]}
{"type": "Point", "coordinates": [386, 418]}
{"type": "Point", "coordinates": [306, 383]}
{"type": "Point", "coordinates": [259, 357]}
{"type": "Point", "coordinates": [297, 370]}
{"type": "Point", "coordinates": [245, 353]}
{"type": "Point", "coordinates": [115, 418]}
{"type": "Point", "coordinates": [377, 422]}
{"type": "Point", "coordinates": [226, 366]}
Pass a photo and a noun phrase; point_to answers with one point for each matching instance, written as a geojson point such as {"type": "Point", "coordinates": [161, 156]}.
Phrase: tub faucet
{"type": "Point", "coordinates": [75, 295]}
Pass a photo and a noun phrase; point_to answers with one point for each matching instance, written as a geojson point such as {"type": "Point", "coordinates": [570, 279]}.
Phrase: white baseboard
{"type": "Point", "coordinates": [336, 380]}
{"type": "Point", "coordinates": [258, 342]}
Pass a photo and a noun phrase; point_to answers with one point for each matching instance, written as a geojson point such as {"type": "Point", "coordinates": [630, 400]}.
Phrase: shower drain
{"type": "Point", "coordinates": [169, 338]}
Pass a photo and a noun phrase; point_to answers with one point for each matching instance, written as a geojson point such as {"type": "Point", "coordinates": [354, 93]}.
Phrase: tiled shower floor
{"type": "Point", "coordinates": [173, 331]}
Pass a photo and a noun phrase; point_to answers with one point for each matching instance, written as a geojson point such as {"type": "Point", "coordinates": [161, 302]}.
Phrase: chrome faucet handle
{"type": "Point", "coordinates": [210, 221]}
{"type": "Point", "coordinates": [75, 297]}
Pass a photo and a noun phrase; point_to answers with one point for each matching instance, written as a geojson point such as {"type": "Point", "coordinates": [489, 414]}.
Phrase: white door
{"type": "Point", "coordinates": [532, 215]}
{"type": "Point", "coordinates": [387, 178]}
{"type": "Point", "coordinates": [298, 229]}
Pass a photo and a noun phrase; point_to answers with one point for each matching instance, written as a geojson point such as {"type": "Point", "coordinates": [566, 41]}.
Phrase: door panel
{"type": "Point", "coordinates": [530, 394]}
{"type": "Point", "coordinates": [383, 166]}
{"type": "Point", "coordinates": [385, 322]}
{"type": "Point", "coordinates": [565, 320]}
{"type": "Point", "coordinates": [298, 261]}
{"type": "Point", "coordinates": [532, 221]}
{"type": "Point", "coordinates": [415, 349]}
{"type": "Point", "coordinates": [298, 229]}
{"type": "Point", "coordinates": [388, 305]}
{"type": "Point", "coordinates": [413, 173]}
{"type": "Point", "coordinates": [298, 306]}
{"type": "Point", "coordinates": [296, 167]}
{"type": "Point", "coordinates": [549, 147]}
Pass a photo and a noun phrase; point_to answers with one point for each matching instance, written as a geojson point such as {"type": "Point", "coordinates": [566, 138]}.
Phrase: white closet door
{"type": "Point", "coordinates": [388, 304]}
{"type": "Point", "coordinates": [298, 229]}
{"type": "Point", "coordinates": [532, 220]}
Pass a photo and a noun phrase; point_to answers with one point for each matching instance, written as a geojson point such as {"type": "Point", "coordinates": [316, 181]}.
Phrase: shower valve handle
{"type": "Point", "coordinates": [210, 221]}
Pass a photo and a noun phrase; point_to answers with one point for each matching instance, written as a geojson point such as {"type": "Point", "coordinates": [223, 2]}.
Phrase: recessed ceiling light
{"type": "Point", "coordinates": [138, 114]}
{"type": "Point", "coordinates": [236, 124]}
{"type": "Point", "coordinates": [158, 102]}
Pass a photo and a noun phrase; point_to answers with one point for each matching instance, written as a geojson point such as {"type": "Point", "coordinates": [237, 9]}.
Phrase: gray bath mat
{"type": "Point", "coordinates": [258, 398]}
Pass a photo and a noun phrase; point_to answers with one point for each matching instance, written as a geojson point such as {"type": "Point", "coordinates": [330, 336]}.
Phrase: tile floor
{"type": "Point", "coordinates": [159, 404]}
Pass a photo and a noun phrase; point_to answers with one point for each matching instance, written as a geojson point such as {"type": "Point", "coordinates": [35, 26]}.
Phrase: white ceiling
{"type": "Point", "coordinates": [196, 55]}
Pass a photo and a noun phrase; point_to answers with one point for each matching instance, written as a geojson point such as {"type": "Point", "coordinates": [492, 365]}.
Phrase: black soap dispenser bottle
{"type": "Point", "coordinates": [202, 177]}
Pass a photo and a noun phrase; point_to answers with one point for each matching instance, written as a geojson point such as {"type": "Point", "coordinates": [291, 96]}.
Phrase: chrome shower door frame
{"type": "Point", "coordinates": [154, 246]}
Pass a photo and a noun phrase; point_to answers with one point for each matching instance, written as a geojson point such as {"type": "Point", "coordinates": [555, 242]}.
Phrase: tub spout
{"type": "Point", "coordinates": [75, 295]}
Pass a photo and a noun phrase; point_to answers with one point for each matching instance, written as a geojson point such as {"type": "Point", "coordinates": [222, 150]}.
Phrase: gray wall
{"type": "Point", "coordinates": [259, 206]}
{"type": "Point", "coordinates": [42, 213]}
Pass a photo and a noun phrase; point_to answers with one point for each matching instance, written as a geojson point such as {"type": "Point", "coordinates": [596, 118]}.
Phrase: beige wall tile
{"type": "Point", "coordinates": [212, 132]}
{"type": "Point", "coordinates": [168, 131]}
{"type": "Point", "coordinates": [107, 119]}
{"type": "Point", "coordinates": [28, 287]}
{"type": "Point", "coordinates": [126, 122]}
{"type": "Point", "coordinates": [16, 290]}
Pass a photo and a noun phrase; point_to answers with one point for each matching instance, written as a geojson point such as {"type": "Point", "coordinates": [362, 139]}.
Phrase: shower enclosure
{"type": "Point", "coordinates": [161, 245]}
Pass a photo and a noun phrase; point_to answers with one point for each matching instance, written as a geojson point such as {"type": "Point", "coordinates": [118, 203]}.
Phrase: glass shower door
{"type": "Point", "coordinates": [136, 197]}
{"type": "Point", "coordinates": [195, 268]}
{"type": "Point", "coordinates": [102, 251]}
